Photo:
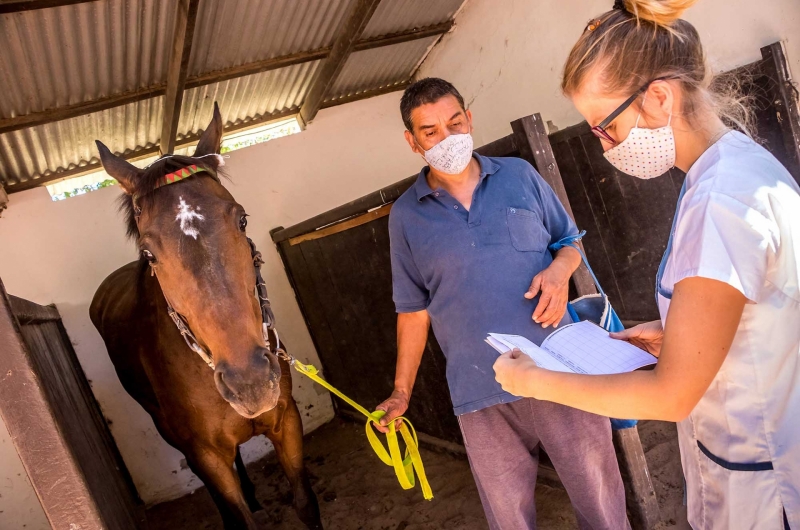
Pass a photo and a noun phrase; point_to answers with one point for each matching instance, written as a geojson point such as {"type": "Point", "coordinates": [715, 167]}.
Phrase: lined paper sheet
{"type": "Point", "coordinates": [587, 349]}
{"type": "Point", "coordinates": [506, 343]}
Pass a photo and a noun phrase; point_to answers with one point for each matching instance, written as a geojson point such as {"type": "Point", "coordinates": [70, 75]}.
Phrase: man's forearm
{"type": "Point", "coordinates": [568, 258]}
{"type": "Point", "coordinates": [412, 334]}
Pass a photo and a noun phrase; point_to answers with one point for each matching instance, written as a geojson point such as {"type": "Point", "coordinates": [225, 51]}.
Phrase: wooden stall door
{"type": "Point", "coordinates": [56, 425]}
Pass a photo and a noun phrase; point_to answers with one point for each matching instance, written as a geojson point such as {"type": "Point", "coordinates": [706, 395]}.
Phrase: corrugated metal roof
{"type": "Point", "coordinates": [234, 32]}
{"type": "Point", "coordinates": [65, 55]}
{"type": "Point", "coordinates": [247, 97]}
{"type": "Point", "coordinates": [38, 151]}
{"type": "Point", "coordinates": [61, 56]}
{"type": "Point", "coordinates": [380, 67]}
{"type": "Point", "coordinates": [393, 16]}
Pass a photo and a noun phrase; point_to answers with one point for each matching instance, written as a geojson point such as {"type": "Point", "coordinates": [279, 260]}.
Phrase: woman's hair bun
{"type": "Point", "coordinates": [662, 13]}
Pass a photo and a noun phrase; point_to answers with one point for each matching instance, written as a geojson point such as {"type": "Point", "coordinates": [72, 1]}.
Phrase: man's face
{"type": "Point", "coordinates": [433, 122]}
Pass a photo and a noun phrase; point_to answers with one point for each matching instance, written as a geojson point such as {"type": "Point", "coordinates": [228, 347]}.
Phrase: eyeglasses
{"type": "Point", "coordinates": [600, 129]}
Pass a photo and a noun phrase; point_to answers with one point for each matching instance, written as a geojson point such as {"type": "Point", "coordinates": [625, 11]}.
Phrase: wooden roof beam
{"type": "Point", "coordinates": [347, 37]}
{"type": "Point", "coordinates": [177, 72]}
{"type": "Point", "coordinates": [81, 109]}
{"type": "Point", "coordinates": [15, 6]}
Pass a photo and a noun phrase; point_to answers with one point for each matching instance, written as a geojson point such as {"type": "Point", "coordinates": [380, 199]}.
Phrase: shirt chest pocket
{"type": "Point", "coordinates": [526, 230]}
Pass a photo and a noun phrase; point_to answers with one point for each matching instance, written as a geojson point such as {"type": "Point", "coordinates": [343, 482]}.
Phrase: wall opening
{"type": "Point", "coordinates": [96, 180]}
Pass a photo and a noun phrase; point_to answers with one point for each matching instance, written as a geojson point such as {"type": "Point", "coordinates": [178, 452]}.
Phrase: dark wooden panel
{"type": "Point", "coordinates": [57, 427]}
{"type": "Point", "coordinates": [777, 113]}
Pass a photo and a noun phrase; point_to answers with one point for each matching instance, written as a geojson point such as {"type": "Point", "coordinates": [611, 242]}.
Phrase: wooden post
{"type": "Point", "coordinates": [177, 72]}
{"type": "Point", "coordinates": [639, 493]}
{"type": "Point", "coordinates": [534, 145]}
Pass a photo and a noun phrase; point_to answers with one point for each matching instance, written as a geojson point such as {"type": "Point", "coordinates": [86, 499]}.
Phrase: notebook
{"type": "Point", "coordinates": [581, 348]}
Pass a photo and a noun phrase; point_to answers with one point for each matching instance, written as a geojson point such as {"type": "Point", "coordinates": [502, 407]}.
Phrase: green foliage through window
{"type": "Point", "coordinates": [84, 189]}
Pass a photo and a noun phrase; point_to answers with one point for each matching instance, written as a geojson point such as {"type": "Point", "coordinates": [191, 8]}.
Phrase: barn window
{"type": "Point", "coordinates": [261, 134]}
{"type": "Point", "coordinates": [100, 179]}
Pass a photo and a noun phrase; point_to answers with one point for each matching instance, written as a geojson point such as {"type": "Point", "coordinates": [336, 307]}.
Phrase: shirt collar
{"type": "Point", "coordinates": [488, 167]}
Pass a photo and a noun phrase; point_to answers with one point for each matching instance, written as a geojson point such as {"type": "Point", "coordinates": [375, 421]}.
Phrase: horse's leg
{"type": "Point", "coordinates": [248, 489]}
{"type": "Point", "coordinates": [288, 442]}
{"type": "Point", "coordinates": [215, 468]}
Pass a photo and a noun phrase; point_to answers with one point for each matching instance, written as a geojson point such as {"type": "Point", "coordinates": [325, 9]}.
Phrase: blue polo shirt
{"type": "Point", "coordinates": [470, 269]}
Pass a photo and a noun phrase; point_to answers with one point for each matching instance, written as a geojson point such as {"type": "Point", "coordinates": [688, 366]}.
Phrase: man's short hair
{"type": "Point", "coordinates": [424, 91]}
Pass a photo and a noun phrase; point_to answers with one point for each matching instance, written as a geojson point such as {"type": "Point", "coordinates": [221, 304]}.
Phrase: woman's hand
{"type": "Point", "coordinates": [515, 372]}
{"type": "Point", "coordinates": [647, 336]}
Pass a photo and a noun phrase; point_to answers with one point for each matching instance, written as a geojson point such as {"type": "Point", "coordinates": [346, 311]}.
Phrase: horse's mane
{"type": "Point", "coordinates": [148, 181]}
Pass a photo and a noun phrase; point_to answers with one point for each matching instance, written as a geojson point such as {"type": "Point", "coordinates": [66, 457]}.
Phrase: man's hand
{"type": "Point", "coordinates": [647, 336]}
{"type": "Point", "coordinates": [514, 370]}
{"type": "Point", "coordinates": [395, 406]}
{"type": "Point", "coordinates": [553, 283]}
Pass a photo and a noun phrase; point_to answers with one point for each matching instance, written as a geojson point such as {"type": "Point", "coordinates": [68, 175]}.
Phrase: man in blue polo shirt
{"type": "Point", "coordinates": [469, 256]}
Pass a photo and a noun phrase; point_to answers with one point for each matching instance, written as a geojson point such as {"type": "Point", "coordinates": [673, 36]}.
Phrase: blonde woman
{"type": "Point", "coordinates": [728, 340]}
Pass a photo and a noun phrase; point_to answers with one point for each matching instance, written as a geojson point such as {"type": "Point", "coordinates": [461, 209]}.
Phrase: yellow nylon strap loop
{"type": "Point", "coordinates": [404, 468]}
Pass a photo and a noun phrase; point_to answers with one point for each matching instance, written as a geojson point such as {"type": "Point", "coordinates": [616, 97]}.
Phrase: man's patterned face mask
{"type": "Point", "coordinates": [451, 155]}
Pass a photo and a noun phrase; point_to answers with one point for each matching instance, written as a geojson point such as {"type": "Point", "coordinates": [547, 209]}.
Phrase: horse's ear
{"type": "Point", "coordinates": [212, 137]}
{"type": "Point", "coordinates": [126, 173]}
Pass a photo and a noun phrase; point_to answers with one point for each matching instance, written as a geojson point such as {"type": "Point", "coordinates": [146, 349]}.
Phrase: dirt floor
{"type": "Point", "coordinates": [357, 492]}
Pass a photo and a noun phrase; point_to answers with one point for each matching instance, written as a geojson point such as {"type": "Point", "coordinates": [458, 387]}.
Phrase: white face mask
{"type": "Point", "coordinates": [451, 155]}
{"type": "Point", "coordinates": [645, 153]}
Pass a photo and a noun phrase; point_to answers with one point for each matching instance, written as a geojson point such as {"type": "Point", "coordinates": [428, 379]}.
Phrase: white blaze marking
{"type": "Point", "coordinates": [186, 214]}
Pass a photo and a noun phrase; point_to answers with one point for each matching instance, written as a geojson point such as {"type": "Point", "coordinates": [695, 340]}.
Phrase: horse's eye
{"type": "Point", "coordinates": [148, 256]}
{"type": "Point", "coordinates": [243, 222]}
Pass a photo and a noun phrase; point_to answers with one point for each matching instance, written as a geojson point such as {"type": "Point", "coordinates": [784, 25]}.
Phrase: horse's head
{"type": "Point", "coordinates": [192, 232]}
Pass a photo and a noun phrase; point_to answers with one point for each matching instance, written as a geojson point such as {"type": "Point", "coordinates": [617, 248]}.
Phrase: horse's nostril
{"type": "Point", "coordinates": [224, 389]}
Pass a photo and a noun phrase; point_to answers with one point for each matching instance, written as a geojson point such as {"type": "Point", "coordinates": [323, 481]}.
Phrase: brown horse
{"type": "Point", "coordinates": [195, 254]}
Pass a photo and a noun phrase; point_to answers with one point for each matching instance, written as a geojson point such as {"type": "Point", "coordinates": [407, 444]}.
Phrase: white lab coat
{"type": "Point", "coordinates": [739, 223]}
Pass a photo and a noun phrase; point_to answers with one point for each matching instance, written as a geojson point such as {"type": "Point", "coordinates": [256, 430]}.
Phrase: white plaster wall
{"type": "Point", "coordinates": [19, 507]}
{"type": "Point", "coordinates": [505, 57]}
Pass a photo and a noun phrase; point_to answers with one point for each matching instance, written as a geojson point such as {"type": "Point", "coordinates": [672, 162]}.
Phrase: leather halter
{"type": "Point", "coordinates": [267, 316]}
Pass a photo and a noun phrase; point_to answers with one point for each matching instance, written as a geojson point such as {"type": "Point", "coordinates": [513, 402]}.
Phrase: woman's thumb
{"type": "Point", "coordinates": [625, 334]}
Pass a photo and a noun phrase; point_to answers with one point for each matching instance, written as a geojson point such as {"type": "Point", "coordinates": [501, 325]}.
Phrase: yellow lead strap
{"type": "Point", "coordinates": [403, 467]}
